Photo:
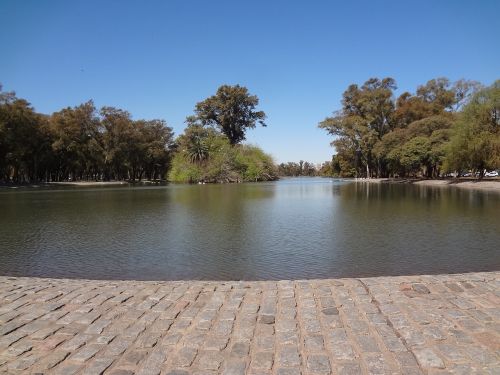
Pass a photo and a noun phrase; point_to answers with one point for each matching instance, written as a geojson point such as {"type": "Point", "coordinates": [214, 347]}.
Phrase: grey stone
{"type": "Point", "coordinates": [288, 356]}
{"type": "Point", "coordinates": [263, 360]}
{"type": "Point", "coordinates": [348, 369]}
{"type": "Point", "coordinates": [330, 311]}
{"type": "Point", "coordinates": [318, 364]}
{"type": "Point", "coordinates": [240, 349]}
{"type": "Point", "coordinates": [185, 356]}
{"type": "Point", "coordinates": [210, 360]}
{"type": "Point", "coordinates": [153, 363]}
{"type": "Point", "coordinates": [428, 358]}
{"type": "Point", "coordinates": [234, 367]}
{"type": "Point", "coordinates": [420, 288]}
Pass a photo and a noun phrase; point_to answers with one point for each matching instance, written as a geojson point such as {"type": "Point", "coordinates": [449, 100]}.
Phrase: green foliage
{"type": "Point", "coordinates": [327, 169]}
{"type": "Point", "coordinates": [366, 116]}
{"type": "Point", "coordinates": [302, 168]}
{"type": "Point", "coordinates": [254, 164]}
{"type": "Point", "coordinates": [184, 170]}
{"type": "Point", "coordinates": [232, 111]}
{"type": "Point", "coordinates": [475, 143]}
{"type": "Point", "coordinates": [414, 153]}
{"type": "Point", "coordinates": [24, 140]}
{"type": "Point", "coordinates": [377, 136]}
{"type": "Point", "coordinates": [79, 143]}
{"type": "Point", "coordinates": [83, 143]}
{"type": "Point", "coordinates": [222, 161]}
{"type": "Point", "coordinates": [208, 150]}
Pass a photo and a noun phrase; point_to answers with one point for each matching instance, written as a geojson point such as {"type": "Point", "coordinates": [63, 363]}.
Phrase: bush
{"type": "Point", "coordinates": [223, 163]}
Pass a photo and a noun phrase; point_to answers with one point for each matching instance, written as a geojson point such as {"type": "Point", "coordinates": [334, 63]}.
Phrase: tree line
{"type": "Point", "coordinates": [440, 128]}
{"type": "Point", "coordinates": [79, 143]}
{"type": "Point", "coordinates": [306, 169]}
{"type": "Point", "coordinates": [86, 143]}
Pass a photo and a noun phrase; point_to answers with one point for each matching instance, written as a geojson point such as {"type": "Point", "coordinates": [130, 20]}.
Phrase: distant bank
{"type": "Point", "coordinates": [79, 184]}
{"type": "Point", "coordinates": [491, 185]}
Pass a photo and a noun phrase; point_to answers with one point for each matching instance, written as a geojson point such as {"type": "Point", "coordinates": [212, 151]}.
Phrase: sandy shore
{"type": "Point", "coordinates": [88, 183]}
{"type": "Point", "coordinates": [77, 183]}
{"type": "Point", "coordinates": [490, 185]}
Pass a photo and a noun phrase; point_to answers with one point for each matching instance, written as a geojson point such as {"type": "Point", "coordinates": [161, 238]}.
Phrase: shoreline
{"type": "Point", "coordinates": [396, 324]}
{"type": "Point", "coordinates": [79, 184]}
{"type": "Point", "coordinates": [485, 185]}
{"type": "Point", "coordinates": [471, 184]}
{"type": "Point", "coordinates": [483, 275]}
{"type": "Point", "coordinates": [87, 183]}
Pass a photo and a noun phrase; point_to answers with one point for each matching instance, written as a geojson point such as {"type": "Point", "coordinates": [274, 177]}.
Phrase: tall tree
{"type": "Point", "coordinates": [22, 139]}
{"type": "Point", "coordinates": [119, 142]}
{"type": "Point", "coordinates": [475, 143]}
{"type": "Point", "coordinates": [233, 110]}
{"type": "Point", "coordinates": [77, 142]}
{"type": "Point", "coordinates": [408, 136]}
{"type": "Point", "coordinates": [157, 141]}
{"type": "Point", "coordinates": [438, 92]}
{"type": "Point", "coordinates": [366, 115]}
{"type": "Point", "coordinates": [464, 91]}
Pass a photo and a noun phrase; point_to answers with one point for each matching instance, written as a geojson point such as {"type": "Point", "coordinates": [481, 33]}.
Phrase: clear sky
{"type": "Point", "coordinates": [156, 59]}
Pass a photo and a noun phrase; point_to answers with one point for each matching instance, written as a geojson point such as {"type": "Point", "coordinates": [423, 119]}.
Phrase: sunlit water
{"type": "Point", "coordinates": [290, 229]}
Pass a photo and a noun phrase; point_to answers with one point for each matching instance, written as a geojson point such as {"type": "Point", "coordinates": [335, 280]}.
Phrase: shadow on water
{"type": "Point", "coordinates": [290, 229]}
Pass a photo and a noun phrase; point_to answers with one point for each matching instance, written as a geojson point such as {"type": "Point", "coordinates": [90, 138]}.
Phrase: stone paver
{"type": "Point", "coordinates": [441, 324]}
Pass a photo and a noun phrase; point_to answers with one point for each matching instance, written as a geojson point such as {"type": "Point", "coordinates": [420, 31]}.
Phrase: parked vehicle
{"type": "Point", "coordinates": [491, 174]}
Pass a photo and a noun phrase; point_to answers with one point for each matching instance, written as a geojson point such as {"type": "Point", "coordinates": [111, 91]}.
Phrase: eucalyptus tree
{"type": "Point", "coordinates": [133, 149]}
{"type": "Point", "coordinates": [404, 136]}
{"type": "Point", "coordinates": [366, 116]}
{"type": "Point", "coordinates": [77, 142]}
{"type": "Point", "coordinates": [23, 140]}
{"type": "Point", "coordinates": [158, 146]}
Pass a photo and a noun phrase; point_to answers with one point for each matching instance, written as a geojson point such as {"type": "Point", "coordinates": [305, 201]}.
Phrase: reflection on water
{"type": "Point", "coordinates": [294, 228]}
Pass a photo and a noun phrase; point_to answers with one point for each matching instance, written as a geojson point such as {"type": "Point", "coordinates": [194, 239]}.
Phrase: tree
{"type": "Point", "coordinates": [326, 170]}
{"type": "Point", "coordinates": [134, 148]}
{"type": "Point", "coordinates": [205, 155]}
{"type": "Point", "coordinates": [475, 143]}
{"type": "Point", "coordinates": [77, 142]}
{"type": "Point", "coordinates": [23, 140]}
{"type": "Point", "coordinates": [414, 154]}
{"type": "Point", "coordinates": [195, 140]}
{"type": "Point", "coordinates": [366, 115]}
{"type": "Point", "coordinates": [156, 148]}
{"type": "Point", "coordinates": [232, 110]}
{"type": "Point", "coordinates": [116, 139]}
{"type": "Point", "coordinates": [438, 93]}
{"type": "Point", "coordinates": [464, 91]}
{"type": "Point", "coordinates": [396, 138]}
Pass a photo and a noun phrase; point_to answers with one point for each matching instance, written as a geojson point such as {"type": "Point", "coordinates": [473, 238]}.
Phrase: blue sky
{"type": "Point", "coordinates": [158, 58]}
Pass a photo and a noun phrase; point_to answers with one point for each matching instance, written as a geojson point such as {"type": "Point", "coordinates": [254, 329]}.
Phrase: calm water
{"type": "Point", "coordinates": [294, 228]}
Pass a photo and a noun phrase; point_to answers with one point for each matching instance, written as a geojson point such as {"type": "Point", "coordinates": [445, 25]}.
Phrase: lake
{"type": "Point", "coordinates": [299, 228]}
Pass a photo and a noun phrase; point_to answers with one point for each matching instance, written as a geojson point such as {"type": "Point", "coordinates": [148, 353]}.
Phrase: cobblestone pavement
{"type": "Point", "coordinates": [387, 325]}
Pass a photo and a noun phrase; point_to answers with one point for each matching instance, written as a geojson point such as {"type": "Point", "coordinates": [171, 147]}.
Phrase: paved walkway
{"type": "Point", "coordinates": [388, 325]}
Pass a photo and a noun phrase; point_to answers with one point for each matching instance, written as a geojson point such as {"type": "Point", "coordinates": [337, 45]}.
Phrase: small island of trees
{"type": "Point", "coordinates": [209, 150]}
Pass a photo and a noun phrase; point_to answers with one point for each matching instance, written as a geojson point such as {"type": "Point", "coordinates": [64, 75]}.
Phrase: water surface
{"type": "Point", "coordinates": [290, 229]}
